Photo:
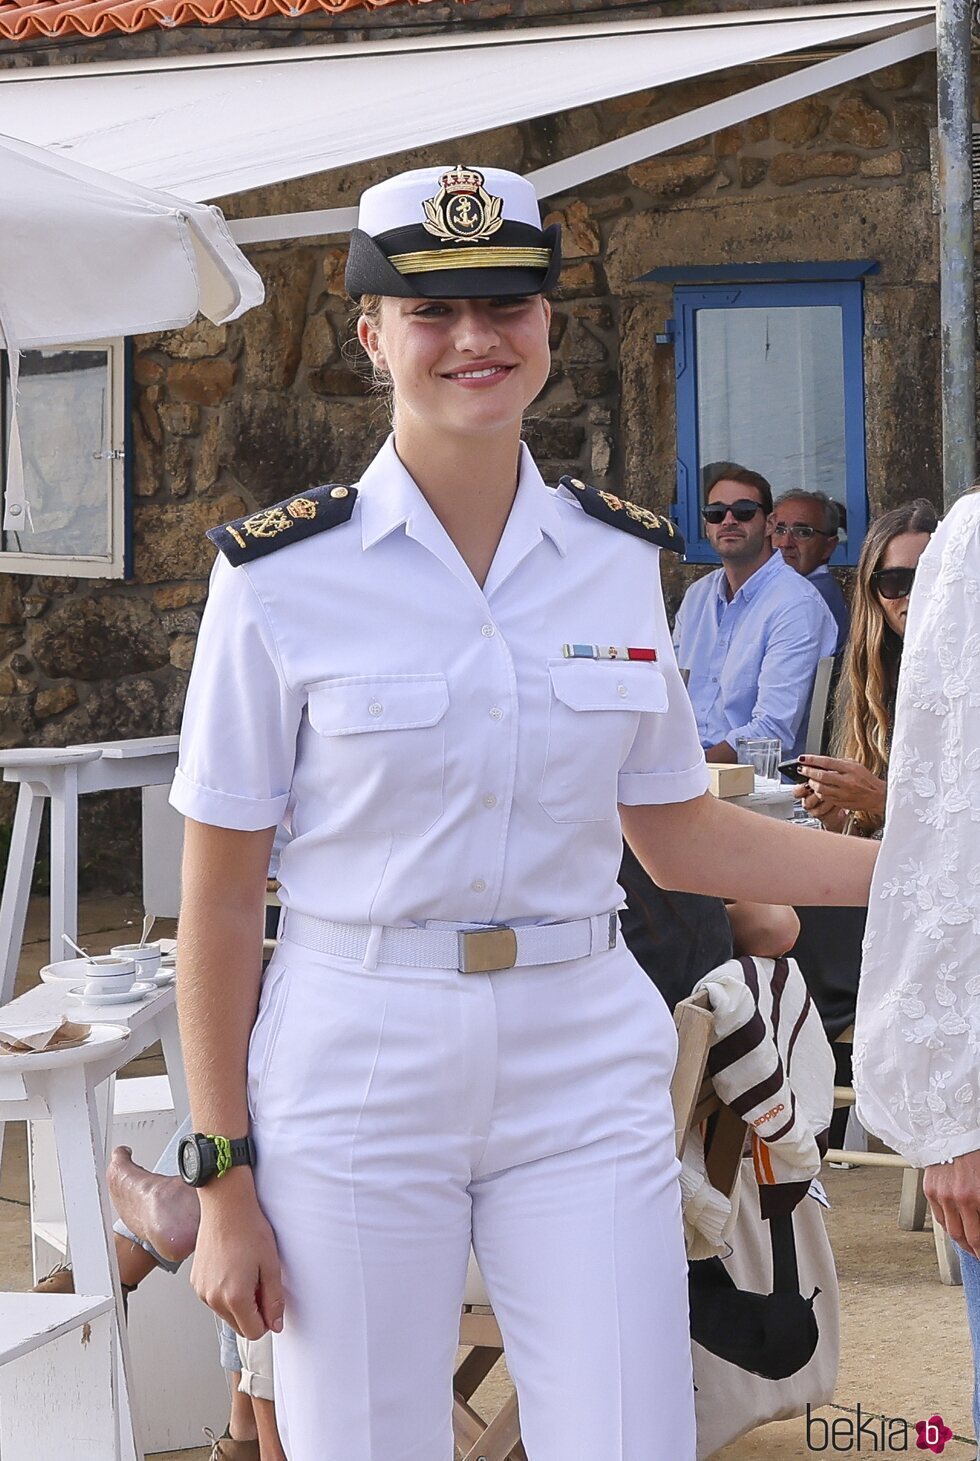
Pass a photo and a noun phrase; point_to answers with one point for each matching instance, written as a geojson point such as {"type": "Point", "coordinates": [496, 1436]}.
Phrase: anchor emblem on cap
{"type": "Point", "coordinates": [462, 210]}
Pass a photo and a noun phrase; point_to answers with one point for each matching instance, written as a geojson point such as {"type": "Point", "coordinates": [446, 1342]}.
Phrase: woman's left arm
{"type": "Point", "coordinates": [707, 846]}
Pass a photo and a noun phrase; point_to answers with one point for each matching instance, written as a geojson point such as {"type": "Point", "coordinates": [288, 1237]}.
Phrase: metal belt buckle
{"type": "Point", "coordinates": [485, 950]}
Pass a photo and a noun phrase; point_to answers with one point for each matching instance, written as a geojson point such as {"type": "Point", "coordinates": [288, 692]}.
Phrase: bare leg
{"type": "Point", "coordinates": [270, 1446]}
{"type": "Point", "coordinates": [241, 1422]}
{"type": "Point", "coordinates": [134, 1262]}
{"type": "Point", "coordinates": [163, 1211]}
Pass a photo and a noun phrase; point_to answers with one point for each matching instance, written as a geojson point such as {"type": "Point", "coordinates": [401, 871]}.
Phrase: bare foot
{"type": "Point", "coordinates": [163, 1211]}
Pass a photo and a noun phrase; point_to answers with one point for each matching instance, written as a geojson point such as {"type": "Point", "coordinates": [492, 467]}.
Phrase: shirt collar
{"type": "Point", "coordinates": [759, 579]}
{"type": "Point", "coordinates": [389, 498]}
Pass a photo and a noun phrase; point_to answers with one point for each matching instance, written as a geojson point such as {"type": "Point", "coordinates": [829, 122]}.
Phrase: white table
{"type": "Point", "coordinates": [62, 775]}
{"type": "Point", "coordinates": [56, 1360]}
{"type": "Point", "coordinates": [64, 1088]}
{"type": "Point", "coordinates": [777, 801]}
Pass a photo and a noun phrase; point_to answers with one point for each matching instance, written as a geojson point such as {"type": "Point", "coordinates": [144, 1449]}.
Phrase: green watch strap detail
{"type": "Point", "coordinates": [223, 1149]}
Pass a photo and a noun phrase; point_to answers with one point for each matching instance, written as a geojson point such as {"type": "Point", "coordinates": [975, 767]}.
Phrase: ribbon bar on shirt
{"type": "Point", "coordinates": [606, 651]}
{"type": "Point", "coordinates": [470, 950]}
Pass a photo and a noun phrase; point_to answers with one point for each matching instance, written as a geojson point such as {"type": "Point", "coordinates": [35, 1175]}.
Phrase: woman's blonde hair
{"type": "Point", "coordinates": [864, 711]}
{"type": "Point", "coordinates": [369, 305]}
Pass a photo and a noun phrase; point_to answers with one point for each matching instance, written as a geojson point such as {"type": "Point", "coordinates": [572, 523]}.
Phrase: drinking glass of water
{"type": "Point", "coordinates": [764, 756]}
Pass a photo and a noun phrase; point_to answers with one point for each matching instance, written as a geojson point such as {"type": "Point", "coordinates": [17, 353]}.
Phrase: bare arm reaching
{"type": "Point", "coordinates": [707, 846]}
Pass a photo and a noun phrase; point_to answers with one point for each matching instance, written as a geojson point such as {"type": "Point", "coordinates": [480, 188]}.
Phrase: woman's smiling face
{"type": "Point", "coordinates": [462, 366]}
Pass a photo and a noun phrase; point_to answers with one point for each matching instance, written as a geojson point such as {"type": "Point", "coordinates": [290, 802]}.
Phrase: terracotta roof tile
{"type": "Point", "coordinates": [62, 21]}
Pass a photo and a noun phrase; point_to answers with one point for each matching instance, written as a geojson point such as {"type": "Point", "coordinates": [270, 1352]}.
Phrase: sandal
{"type": "Point", "coordinates": [226, 1448]}
{"type": "Point", "coordinates": [61, 1280]}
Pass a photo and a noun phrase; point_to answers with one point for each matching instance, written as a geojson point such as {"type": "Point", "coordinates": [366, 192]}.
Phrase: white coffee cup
{"type": "Point", "coordinates": [145, 956]}
{"type": "Point", "coordinates": [109, 973]}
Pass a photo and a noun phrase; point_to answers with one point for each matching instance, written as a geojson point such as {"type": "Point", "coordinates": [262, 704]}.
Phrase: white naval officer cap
{"type": "Point", "coordinates": [452, 233]}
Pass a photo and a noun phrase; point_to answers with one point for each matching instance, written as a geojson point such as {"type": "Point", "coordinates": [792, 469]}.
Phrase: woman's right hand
{"type": "Point", "coordinates": [236, 1269]}
{"type": "Point", "coordinates": [832, 816]}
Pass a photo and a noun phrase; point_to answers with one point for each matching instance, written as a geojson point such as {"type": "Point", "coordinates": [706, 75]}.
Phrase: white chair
{"type": "Point", "coordinates": [60, 776]}
{"type": "Point", "coordinates": [57, 1378]}
{"type": "Point", "coordinates": [822, 681]}
{"type": "Point", "coordinates": [61, 1086]}
{"type": "Point", "coordinates": [913, 1206]}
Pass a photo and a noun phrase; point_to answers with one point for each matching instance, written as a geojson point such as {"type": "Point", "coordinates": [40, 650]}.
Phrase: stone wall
{"type": "Point", "coordinates": [230, 419]}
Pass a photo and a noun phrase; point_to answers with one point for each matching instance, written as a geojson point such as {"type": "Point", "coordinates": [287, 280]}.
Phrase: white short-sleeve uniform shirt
{"type": "Point", "coordinates": [435, 755]}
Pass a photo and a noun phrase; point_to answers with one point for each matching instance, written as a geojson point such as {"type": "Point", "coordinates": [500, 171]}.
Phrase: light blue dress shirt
{"type": "Point", "coordinates": [832, 594]}
{"type": "Point", "coordinates": [752, 660]}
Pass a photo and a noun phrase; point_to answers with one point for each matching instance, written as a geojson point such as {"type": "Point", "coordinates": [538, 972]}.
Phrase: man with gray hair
{"type": "Point", "coordinates": [805, 527]}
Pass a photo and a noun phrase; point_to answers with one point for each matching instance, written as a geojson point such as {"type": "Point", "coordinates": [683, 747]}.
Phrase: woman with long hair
{"type": "Point", "coordinates": [445, 678]}
{"type": "Point", "coordinates": [847, 789]}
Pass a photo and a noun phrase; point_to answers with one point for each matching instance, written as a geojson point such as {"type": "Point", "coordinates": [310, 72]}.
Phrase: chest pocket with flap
{"type": "Point", "coordinates": [594, 714]}
{"type": "Point", "coordinates": [381, 741]}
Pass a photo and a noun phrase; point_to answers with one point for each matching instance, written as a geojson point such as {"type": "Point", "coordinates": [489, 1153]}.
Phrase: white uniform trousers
{"type": "Point", "coordinates": [399, 1113]}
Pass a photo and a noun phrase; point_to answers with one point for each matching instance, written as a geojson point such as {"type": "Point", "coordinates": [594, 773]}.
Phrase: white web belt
{"type": "Point", "coordinates": [471, 951]}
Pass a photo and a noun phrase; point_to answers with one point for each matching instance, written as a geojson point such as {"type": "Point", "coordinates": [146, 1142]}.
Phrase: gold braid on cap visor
{"type": "Point", "coordinates": [427, 261]}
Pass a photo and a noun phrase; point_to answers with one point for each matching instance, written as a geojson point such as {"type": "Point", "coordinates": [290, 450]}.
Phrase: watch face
{"type": "Point", "coordinates": [189, 1159]}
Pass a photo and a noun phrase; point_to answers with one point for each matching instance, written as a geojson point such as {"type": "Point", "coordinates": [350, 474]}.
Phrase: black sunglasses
{"type": "Point", "coordinates": [743, 511]}
{"type": "Point", "coordinates": [893, 583]}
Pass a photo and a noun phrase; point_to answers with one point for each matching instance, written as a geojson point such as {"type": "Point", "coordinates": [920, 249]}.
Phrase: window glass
{"type": "Point", "coordinates": [63, 414]}
{"type": "Point", "coordinates": [770, 394]}
{"type": "Point", "coordinates": [771, 375]}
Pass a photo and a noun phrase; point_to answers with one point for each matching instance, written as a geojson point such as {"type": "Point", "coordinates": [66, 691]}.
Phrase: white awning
{"type": "Point", "coordinates": [84, 255]}
{"type": "Point", "coordinates": [207, 126]}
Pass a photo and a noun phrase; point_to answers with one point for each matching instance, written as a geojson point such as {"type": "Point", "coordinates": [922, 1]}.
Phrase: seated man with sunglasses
{"type": "Point", "coordinates": [805, 527]}
{"type": "Point", "coordinates": [750, 633]}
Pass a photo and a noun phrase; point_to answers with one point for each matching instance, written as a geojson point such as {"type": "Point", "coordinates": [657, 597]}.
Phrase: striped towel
{"type": "Point", "coordinates": [772, 1063]}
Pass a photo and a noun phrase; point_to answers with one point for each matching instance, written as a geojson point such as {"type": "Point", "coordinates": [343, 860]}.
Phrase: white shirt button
{"type": "Point", "coordinates": [375, 708]}
{"type": "Point", "coordinates": [478, 885]}
{"type": "Point", "coordinates": [496, 713]}
{"type": "Point", "coordinates": [622, 691]}
{"type": "Point", "coordinates": [488, 631]}
{"type": "Point", "coordinates": [490, 800]}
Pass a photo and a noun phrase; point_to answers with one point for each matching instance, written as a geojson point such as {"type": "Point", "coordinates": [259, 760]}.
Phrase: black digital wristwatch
{"type": "Point", "coordinates": [201, 1158]}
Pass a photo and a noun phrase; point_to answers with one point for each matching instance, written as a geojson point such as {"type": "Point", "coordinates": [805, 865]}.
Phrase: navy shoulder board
{"type": "Point", "coordinates": [626, 515]}
{"type": "Point", "coordinates": [290, 521]}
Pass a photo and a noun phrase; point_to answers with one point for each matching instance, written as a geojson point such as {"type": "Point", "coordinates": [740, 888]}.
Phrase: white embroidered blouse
{"type": "Point", "coordinates": [917, 1032]}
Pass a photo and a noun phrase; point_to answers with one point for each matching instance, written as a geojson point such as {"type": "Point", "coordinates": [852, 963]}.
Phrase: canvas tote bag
{"type": "Point", "coordinates": [775, 1343]}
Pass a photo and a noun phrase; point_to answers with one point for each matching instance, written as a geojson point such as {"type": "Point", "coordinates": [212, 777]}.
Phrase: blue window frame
{"type": "Point", "coordinates": [770, 374]}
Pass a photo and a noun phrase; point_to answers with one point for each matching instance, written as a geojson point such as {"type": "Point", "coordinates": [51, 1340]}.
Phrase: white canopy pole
{"type": "Point", "coordinates": [562, 177]}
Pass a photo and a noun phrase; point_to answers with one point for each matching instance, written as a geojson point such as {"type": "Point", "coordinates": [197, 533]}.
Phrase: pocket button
{"type": "Point", "coordinates": [375, 708]}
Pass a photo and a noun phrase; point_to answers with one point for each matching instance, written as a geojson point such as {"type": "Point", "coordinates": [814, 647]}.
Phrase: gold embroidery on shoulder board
{"type": "Point", "coordinates": [647, 519]}
{"type": "Point", "coordinates": [267, 524]}
{"type": "Point", "coordinates": [639, 514]}
{"type": "Point", "coordinates": [301, 507]}
{"type": "Point", "coordinates": [238, 537]}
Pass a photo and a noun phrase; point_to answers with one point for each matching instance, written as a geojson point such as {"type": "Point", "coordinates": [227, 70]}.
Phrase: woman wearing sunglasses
{"type": "Point", "coordinates": [847, 790]}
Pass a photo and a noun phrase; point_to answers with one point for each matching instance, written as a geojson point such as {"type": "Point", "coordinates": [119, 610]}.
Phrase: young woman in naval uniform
{"type": "Point", "coordinates": [456, 684]}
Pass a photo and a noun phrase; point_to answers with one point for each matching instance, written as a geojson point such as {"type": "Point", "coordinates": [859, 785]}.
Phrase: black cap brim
{"type": "Point", "coordinates": [369, 271]}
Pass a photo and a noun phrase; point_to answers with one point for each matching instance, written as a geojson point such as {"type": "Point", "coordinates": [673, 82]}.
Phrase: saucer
{"type": "Point", "coordinates": [133, 995]}
{"type": "Point", "coordinates": [162, 977]}
{"type": "Point", "coordinates": [70, 970]}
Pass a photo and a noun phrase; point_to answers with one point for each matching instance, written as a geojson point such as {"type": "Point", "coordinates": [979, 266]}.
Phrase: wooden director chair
{"type": "Point", "coordinates": [693, 1098]}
